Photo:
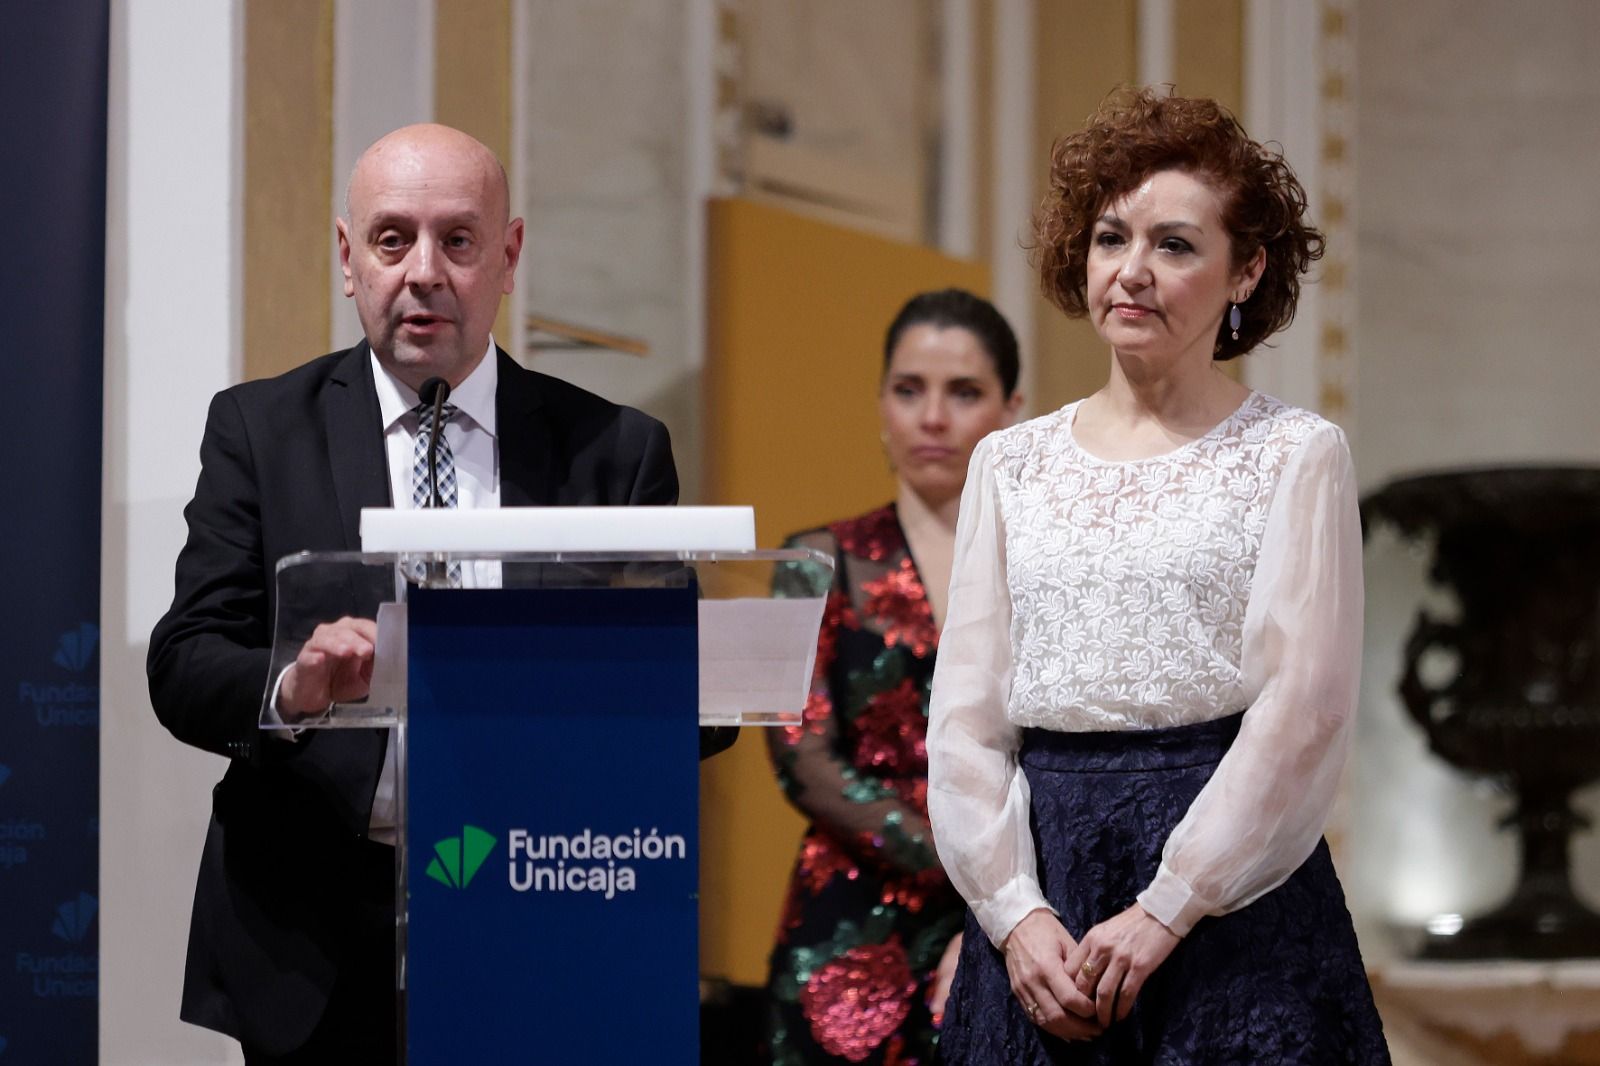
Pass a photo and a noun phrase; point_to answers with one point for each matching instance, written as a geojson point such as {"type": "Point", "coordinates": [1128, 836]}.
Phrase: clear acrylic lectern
{"type": "Point", "coordinates": [542, 710]}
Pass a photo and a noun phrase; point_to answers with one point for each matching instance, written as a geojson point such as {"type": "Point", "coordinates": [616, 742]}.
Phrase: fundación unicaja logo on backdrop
{"type": "Point", "coordinates": [74, 702]}
{"type": "Point", "coordinates": [75, 973]}
{"type": "Point", "coordinates": [17, 834]}
{"type": "Point", "coordinates": [74, 917]}
{"type": "Point", "coordinates": [75, 649]}
{"type": "Point", "coordinates": [456, 860]}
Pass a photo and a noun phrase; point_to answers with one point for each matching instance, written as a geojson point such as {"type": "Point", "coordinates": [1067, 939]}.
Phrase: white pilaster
{"type": "Point", "coordinates": [1281, 103]}
{"type": "Point", "coordinates": [1013, 65]}
{"type": "Point", "coordinates": [383, 79]}
{"type": "Point", "coordinates": [1157, 42]}
{"type": "Point", "coordinates": [958, 148]}
{"type": "Point", "coordinates": [173, 267]}
{"type": "Point", "coordinates": [517, 165]}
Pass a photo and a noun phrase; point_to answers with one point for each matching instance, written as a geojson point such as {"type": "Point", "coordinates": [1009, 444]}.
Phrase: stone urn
{"type": "Point", "coordinates": [1510, 689]}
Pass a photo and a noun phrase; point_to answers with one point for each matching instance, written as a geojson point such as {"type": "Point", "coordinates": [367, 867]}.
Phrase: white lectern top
{"type": "Point", "coordinates": [559, 529]}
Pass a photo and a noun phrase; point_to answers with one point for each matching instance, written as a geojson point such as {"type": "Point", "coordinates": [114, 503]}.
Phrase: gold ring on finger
{"type": "Point", "coordinates": [1091, 969]}
{"type": "Point", "coordinates": [1033, 1011]}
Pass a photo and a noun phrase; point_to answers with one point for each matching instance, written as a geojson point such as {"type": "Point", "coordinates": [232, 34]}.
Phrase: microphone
{"type": "Point", "coordinates": [434, 392]}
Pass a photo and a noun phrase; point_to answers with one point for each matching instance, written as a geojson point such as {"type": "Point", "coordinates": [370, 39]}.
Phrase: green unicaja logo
{"type": "Point", "coordinates": [456, 859]}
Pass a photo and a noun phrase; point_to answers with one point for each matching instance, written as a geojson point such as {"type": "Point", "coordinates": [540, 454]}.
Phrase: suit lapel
{"type": "Point", "coordinates": [526, 475]}
{"type": "Point", "coordinates": [354, 427]}
{"type": "Point", "coordinates": [353, 423]}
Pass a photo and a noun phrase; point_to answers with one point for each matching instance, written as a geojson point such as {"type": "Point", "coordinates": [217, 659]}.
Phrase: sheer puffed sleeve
{"type": "Point", "coordinates": [1262, 813]}
{"type": "Point", "coordinates": [977, 799]}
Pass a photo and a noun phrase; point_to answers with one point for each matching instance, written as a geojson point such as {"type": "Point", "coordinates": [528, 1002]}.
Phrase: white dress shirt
{"type": "Point", "coordinates": [476, 450]}
{"type": "Point", "coordinates": [471, 434]}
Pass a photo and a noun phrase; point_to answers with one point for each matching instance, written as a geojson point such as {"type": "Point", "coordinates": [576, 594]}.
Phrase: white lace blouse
{"type": "Point", "coordinates": [1097, 595]}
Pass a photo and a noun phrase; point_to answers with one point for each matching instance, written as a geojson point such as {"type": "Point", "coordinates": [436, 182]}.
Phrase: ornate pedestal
{"type": "Point", "coordinates": [1490, 1013]}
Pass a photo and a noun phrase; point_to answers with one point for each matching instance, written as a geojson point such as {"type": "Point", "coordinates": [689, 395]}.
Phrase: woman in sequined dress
{"type": "Point", "coordinates": [867, 928]}
{"type": "Point", "coordinates": [1149, 670]}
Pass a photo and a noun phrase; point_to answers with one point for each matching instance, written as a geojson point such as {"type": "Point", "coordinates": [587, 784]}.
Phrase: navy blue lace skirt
{"type": "Point", "coordinates": [1280, 981]}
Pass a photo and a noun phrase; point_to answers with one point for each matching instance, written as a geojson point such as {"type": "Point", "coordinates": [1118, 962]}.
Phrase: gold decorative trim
{"type": "Point", "coordinates": [1335, 358]}
{"type": "Point", "coordinates": [728, 120]}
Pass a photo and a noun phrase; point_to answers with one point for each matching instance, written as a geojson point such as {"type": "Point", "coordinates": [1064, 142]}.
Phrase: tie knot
{"type": "Point", "coordinates": [425, 416]}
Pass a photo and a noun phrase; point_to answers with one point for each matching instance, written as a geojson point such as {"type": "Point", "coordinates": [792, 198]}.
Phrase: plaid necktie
{"type": "Point", "coordinates": [445, 462]}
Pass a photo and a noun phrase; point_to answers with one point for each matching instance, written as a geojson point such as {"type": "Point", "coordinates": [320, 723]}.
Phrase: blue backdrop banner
{"type": "Point", "coordinates": [53, 77]}
{"type": "Point", "coordinates": [554, 812]}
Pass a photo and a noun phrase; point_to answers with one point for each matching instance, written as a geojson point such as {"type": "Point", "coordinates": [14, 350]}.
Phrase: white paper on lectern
{"type": "Point", "coordinates": [757, 655]}
{"type": "Point", "coordinates": [558, 529]}
{"type": "Point", "coordinates": [389, 666]}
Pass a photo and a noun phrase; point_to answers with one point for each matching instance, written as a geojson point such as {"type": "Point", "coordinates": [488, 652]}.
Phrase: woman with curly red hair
{"type": "Point", "coordinates": [1149, 669]}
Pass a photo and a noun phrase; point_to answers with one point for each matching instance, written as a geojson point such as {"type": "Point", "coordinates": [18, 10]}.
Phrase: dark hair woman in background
{"type": "Point", "coordinates": [1149, 672]}
{"type": "Point", "coordinates": [856, 971]}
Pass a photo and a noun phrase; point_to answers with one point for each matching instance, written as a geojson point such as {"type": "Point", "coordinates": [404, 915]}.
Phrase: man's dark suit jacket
{"type": "Point", "coordinates": [286, 466]}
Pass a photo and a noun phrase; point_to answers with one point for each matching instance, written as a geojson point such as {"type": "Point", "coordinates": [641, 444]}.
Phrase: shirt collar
{"type": "Point", "coordinates": [474, 398]}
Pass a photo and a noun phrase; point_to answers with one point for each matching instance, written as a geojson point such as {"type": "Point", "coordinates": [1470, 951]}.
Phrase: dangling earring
{"type": "Point", "coordinates": [1235, 318]}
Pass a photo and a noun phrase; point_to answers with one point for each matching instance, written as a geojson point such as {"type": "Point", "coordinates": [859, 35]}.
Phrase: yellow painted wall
{"type": "Point", "coordinates": [796, 314]}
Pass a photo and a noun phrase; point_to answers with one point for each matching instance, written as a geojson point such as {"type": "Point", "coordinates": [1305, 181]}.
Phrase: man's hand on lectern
{"type": "Point", "coordinates": [334, 666]}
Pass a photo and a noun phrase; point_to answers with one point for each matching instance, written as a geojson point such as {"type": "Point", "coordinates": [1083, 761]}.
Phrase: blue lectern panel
{"type": "Point", "coordinates": [554, 855]}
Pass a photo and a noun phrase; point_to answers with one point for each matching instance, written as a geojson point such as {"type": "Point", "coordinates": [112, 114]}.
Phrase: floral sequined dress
{"type": "Point", "coordinates": [869, 911]}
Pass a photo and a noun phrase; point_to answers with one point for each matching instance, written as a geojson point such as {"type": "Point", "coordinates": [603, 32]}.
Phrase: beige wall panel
{"type": "Point", "coordinates": [849, 77]}
{"type": "Point", "coordinates": [472, 85]}
{"type": "Point", "coordinates": [983, 140]}
{"type": "Point", "coordinates": [796, 311]}
{"type": "Point", "coordinates": [288, 167]}
{"type": "Point", "coordinates": [472, 69]}
{"type": "Point", "coordinates": [1208, 53]}
{"type": "Point", "coordinates": [1085, 48]}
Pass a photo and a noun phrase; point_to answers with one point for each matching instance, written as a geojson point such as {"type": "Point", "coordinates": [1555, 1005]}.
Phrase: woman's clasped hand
{"type": "Point", "coordinates": [1076, 989]}
{"type": "Point", "coordinates": [1114, 960]}
{"type": "Point", "coordinates": [1036, 953]}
